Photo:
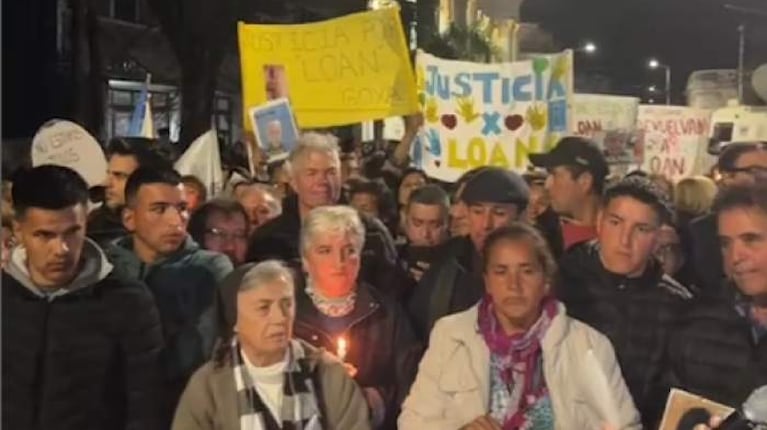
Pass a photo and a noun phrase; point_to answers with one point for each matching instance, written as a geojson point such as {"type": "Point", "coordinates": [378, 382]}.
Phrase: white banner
{"type": "Point", "coordinates": [203, 160]}
{"type": "Point", "coordinates": [65, 143]}
{"type": "Point", "coordinates": [610, 121]}
{"type": "Point", "coordinates": [594, 113]}
{"type": "Point", "coordinates": [675, 140]}
{"type": "Point", "coordinates": [490, 114]}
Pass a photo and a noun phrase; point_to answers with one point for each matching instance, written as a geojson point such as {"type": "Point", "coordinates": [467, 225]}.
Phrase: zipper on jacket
{"type": "Point", "coordinates": [41, 362]}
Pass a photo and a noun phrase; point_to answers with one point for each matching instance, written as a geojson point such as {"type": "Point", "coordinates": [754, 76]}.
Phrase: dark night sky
{"type": "Point", "coordinates": [686, 34]}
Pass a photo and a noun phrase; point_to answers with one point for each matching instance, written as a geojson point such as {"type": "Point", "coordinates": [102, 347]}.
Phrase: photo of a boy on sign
{"type": "Point", "coordinates": [275, 128]}
{"type": "Point", "coordinates": [276, 81]}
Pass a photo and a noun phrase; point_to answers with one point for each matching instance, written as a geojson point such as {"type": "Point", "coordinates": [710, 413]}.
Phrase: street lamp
{"type": "Point", "coordinates": [655, 64]}
{"type": "Point", "coordinates": [651, 88]}
{"type": "Point", "coordinates": [589, 48]}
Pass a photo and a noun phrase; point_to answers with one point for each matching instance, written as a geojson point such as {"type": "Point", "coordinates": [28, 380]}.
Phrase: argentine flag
{"type": "Point", "coordinates": [141, 123]}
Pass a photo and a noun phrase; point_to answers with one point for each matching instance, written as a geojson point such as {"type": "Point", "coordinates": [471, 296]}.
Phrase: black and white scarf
{"type": "Point", "coordinates": [300, 410]}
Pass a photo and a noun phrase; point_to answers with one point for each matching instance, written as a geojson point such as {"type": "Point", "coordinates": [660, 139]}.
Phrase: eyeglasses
{"type": "Point", "coordinates": [219, 234]}
{"type": "Point", "coordinates": [755, 171]}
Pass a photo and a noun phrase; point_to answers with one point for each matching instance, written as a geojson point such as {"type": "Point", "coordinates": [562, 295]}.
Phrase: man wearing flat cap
{"type": "Point", "coordinates": [577, 171]}
{"type": "Point", "coordinates": [496, 197]}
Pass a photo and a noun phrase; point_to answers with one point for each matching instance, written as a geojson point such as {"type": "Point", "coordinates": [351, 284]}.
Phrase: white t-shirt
{"type": "Point", "coordinates": [269, 383]}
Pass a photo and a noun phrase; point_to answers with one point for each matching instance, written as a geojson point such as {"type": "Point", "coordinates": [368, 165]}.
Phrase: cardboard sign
{"type": "Point", "coordinates": [683, 407]}
{"type": "Point", "coordinates": [65, 143]}
{"type": "Point", "coordinates": [335, 72]}
{"type": "Point", "coordinates": [490, 114]}
{"type": "Point", "coordinates": [675, 140]}
{"type": "Point", "coordinates": [596, 113]}
{"type": "Point", "coordinates": [275, 128]}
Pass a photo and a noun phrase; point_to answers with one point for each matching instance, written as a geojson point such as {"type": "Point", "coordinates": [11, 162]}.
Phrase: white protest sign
{"type": "Point", "coordinates": [480, 114]}
{"type": "Point", "coordinates": [65, 143]}
{"type": "Point", "coordinates": [593, 113]}
{"type": "Point", "coordinates": [675, 140]}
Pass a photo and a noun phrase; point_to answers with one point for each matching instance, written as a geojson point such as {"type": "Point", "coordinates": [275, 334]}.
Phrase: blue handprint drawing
{"type": "Point", "coordinates": [429, 142]}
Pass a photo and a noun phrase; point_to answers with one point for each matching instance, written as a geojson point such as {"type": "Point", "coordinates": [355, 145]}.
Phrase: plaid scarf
{"type": "Point", "coordinates": [299, 404]}
{"type": "Point", "coordinates": [518, 358]}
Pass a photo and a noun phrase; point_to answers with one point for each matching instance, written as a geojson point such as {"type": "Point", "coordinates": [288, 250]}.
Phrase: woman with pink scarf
{"type": "Point", "coordinates": [516, 360]}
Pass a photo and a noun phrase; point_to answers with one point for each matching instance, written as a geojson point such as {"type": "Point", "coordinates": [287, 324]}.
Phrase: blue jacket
{"type": "Point", "coordinates": [184, 286]}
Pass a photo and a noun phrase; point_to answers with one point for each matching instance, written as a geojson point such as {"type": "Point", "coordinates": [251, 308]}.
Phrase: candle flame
{"type": "Point", "coordinates": [341, 348]}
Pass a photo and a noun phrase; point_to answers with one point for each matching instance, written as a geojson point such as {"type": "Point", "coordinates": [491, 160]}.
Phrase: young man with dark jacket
{"type": "Point", "coordinates": [577, 170]}
{"type": "Point", "coordinates": [81, 345]}
{"type": "Point", "coordinates": [719, 348]}
{"type": "Point", "coordinates": [182, 277]}
{"type": "Point", "coordinates": [316, 178]}
{"type": "Point", "coordinates": [453, 283]}
{"type": "Point", "coordinates": [125, 155]}
{"type": "Point", "coordinates": [616, 286]}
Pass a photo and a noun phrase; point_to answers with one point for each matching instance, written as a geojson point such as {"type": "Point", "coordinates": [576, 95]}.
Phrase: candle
{"type": "Point", "coordinates": [341, 348]}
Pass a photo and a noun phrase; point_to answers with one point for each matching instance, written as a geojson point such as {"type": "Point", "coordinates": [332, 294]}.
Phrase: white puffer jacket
{"type": "Point", "coordinates": [583, 377]}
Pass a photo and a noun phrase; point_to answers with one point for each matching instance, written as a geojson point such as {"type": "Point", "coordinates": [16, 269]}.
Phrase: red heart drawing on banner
{"type": "Point", "coordinates": [449, 121]}
{"type": "Point", "coordinates": [513, 122]}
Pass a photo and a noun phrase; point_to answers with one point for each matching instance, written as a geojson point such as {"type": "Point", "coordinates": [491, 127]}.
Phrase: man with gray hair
{"type": "Point", "coordinates": [316, 178]}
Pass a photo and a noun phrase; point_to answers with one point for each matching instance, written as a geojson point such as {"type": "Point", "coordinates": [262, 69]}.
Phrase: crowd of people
{"type": "Point", "coordinates": [343, 293]}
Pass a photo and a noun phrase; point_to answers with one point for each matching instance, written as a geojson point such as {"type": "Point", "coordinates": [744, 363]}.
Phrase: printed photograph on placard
{"type": "Point", "coordinates": [620, 146]}
{"type": "Point", "coordinates": [276, 81]}
{"type": "Point", "coordinates": [275, 128]}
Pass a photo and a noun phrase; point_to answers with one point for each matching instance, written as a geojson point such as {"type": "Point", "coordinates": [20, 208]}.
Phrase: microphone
{"type": "Point", "coordinates": [753, 413]}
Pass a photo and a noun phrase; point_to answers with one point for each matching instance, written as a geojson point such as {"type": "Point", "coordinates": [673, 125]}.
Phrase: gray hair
{"type": "Point", "coordinates": [332, 219]}
{"type": "Point", "coordinates": [264, 273]}
{"type": "Point", "coordinates": [311, 142]}
{"type": "Point", "coordinates": [272, 201]}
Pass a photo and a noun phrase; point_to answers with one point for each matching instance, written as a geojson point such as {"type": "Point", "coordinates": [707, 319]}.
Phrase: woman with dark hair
{"type": "Point", "coordinates": [516, 360]}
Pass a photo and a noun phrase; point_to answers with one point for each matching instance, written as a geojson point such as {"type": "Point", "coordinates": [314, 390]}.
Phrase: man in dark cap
{"type": "Point", "coordinates": [495, 198]}
{"type": "Point", "coordinates": [577, 171]}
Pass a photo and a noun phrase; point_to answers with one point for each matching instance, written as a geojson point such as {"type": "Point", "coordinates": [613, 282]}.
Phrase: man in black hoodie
{"type": "Point", "coordinates": [614, 285]}
{"type": "Point", "coordinates": [316, 178]}
{"type": "Point", "coordinates": [81, 346]}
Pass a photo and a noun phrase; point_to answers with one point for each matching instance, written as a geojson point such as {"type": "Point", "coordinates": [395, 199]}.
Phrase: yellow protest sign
{"type": "Point", "coordinates": [336, 72]}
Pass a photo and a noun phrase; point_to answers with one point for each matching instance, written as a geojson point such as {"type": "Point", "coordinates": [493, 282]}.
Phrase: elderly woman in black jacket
{"type": "Point", "coordinates": [335, 310]}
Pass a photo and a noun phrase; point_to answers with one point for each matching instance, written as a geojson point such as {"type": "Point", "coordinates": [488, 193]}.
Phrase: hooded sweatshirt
{"type": "Point", "coordinates": [95, 267]}
{"type": "Point", "coordinates": [85, 356]}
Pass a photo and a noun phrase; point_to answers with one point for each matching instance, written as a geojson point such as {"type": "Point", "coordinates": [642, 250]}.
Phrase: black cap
{"type": "Point", "coordinates": [574, 151]}
{"type": "Point", "coordinates": [496, 185]}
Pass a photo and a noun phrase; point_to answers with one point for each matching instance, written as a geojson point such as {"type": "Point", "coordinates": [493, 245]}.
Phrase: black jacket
{"type": "Point", "coordinates": [87, 360]}
{"type": "Point", "coordinates": [706, 255]}
{"type": "Point", "coordinates": [382, 345]}
{"type": "Point", "coordinates": [452, 284]}
{"type": "Point", "coordinates": [280, 238]}
{"type": "Point", "coordinates": [636, 314]}
{"type": "Point", "coordinates": [105, 225]}
{"type": "Point", "coordinates": [713, 353]}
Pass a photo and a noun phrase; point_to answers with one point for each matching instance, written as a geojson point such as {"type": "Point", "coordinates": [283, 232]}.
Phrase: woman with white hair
{"type": "Point", "coordinates": [337, 311]}
{"type": "Point", "coordinates": [262, 379]}
{"type": "Point", "coordinates": [516, 360]}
